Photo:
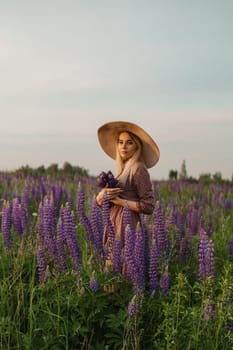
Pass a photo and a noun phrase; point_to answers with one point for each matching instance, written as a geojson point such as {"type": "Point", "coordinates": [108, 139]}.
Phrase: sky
{"type": "Point", "coordinates": [67, 67]}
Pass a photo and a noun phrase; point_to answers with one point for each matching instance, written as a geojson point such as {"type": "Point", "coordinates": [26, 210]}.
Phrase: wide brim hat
{"type": "Point", "coordinates": [108, 133]}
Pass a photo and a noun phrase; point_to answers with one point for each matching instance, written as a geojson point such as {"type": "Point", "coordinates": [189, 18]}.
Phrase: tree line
{"type": "Point", "coordinates": [74, 170]}
{"type": "Point", "coordinates": [54, 170]}
{"type": "Point", "coordinates": [204, 178]}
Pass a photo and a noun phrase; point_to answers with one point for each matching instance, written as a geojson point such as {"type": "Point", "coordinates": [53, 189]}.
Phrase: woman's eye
{"type": "Point", "coordinates": [126, 142]}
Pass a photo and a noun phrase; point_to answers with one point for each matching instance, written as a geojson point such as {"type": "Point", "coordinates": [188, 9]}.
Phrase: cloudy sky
{"type": "Point", "coordinates": [67, 67]}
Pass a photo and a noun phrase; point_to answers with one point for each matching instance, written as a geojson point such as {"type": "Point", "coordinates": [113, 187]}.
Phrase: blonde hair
{"type": "Point", "coordinates": [126, 170]}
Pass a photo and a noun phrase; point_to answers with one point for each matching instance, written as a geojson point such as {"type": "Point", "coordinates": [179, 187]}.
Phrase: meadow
{"type": "Point", "coordinates": [177, 293]}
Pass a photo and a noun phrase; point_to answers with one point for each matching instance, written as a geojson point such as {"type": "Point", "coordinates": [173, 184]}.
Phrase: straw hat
{"type": "Point", "coordinates": [108, 133]}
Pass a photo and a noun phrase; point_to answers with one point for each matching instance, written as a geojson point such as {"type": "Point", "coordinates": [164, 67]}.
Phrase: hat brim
{"type": "Point", "coordinates": [108, 133]}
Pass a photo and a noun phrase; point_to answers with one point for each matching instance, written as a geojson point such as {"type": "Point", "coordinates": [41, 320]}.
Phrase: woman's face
{"type": "Point", "coordinates": [126, 146]}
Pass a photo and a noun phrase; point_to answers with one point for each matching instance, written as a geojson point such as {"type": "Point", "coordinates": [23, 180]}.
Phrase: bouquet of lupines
{"type": "Point", "coordinates": [106, 180]}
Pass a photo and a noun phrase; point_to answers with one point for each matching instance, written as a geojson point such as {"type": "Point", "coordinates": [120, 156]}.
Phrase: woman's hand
{"type": "Point", "coordinates": [110, 194]}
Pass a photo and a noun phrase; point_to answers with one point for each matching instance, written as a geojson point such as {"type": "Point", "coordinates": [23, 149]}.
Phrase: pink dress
{"type": "Point", "coordinates": [139, 190]}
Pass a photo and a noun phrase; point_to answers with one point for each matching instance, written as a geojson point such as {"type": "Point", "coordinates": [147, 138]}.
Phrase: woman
{"type": "Point", "coordinates": [134, 151]}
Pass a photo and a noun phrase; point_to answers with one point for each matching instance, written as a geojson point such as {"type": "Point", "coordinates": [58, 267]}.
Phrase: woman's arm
{"type": "Point", "coordinates": [145, 192]}
{"type": "Point", "coordinates": [110, 193]}
{"type": "Point", "coordinates": [133, 205]}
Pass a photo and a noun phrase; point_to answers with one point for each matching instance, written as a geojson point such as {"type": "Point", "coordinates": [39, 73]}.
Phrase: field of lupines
{"type": "Point", "coordinates": [177, 292]}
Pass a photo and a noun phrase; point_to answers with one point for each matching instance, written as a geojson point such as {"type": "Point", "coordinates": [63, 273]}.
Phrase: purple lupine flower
{"type": "Point", "coordinates": [159, 230]}
{"type": "Point", "coordinates": [108, 228]}
{"type": "Point", "coordinates": [93, 284]}
{"type": "Point", "coordinates": [112, 182]}
{"type": "Point", "coordinates": [6, 225]}
{"type": "Point", "coordinates": [211, 267]}
{"type": "Point", "coordinates": [105, 210]}
{"type": "Point", "coordinates": [165, 281]}
{"type": "Point", "coordinates": [101, 180]}
{"type": "Point", "coordinates": [43, 190]}
{"type": "Point", "coordinates": [153, 269]}
{"type": "Point", "coordinates": [48, 228]}
{"type": "Point", "coordinates": [206, 257]}
{"type": "Point", "coordinates": [17, 217]}
{"type": "Point", "coordinates": [40, 255]}
{"type": "Point", "coordinates": [192, 220]}
{"type": "Point", "coordinates": [128, 252]}
{"type": "Point", "coordinates": [71, 240]}
{"type": "Point", "coordinates": [139, 256]}
{"type": "Point", "coordinates": [97, 228]}
{"type": "Point", "coordinates": [70, 201]}
{"type": "Point", "coordinates": [203, 244]}
{"type": "Point", "coordinates": [61, 242]}
{"type": "Point", "coordinates": [57, 195]}
{"type": "Point", "coordinates": [106, 180]}
{"type": "Point", "coordinates": [132, 271]}
{"type": "Point", "coordinates": [83, 217]}
{"type": "Point", "coordinates": [117, 261]}
{"type": "Point", "coordinates": [230, 249]}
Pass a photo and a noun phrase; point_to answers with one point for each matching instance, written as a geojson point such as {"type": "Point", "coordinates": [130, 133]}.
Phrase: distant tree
{"type": "Point", "coordinates": [217, 177]}
{"type": "Point", "coordinates": [68, 168]}
{"type": "Point", "coordinates": [24, 170]}
{"type": "Point", "coordinates": [80, 171]}
{"type": "Point", "coordinates": [52, 169]}
{"type": "Point", "coordinates": [205, 178]}
{"type": "Point", "coordinates": [40, 169]}
{"type": "Point", "coordinates": [183, 171]}
{"type": "Point", "coordinates": [173, 174]}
